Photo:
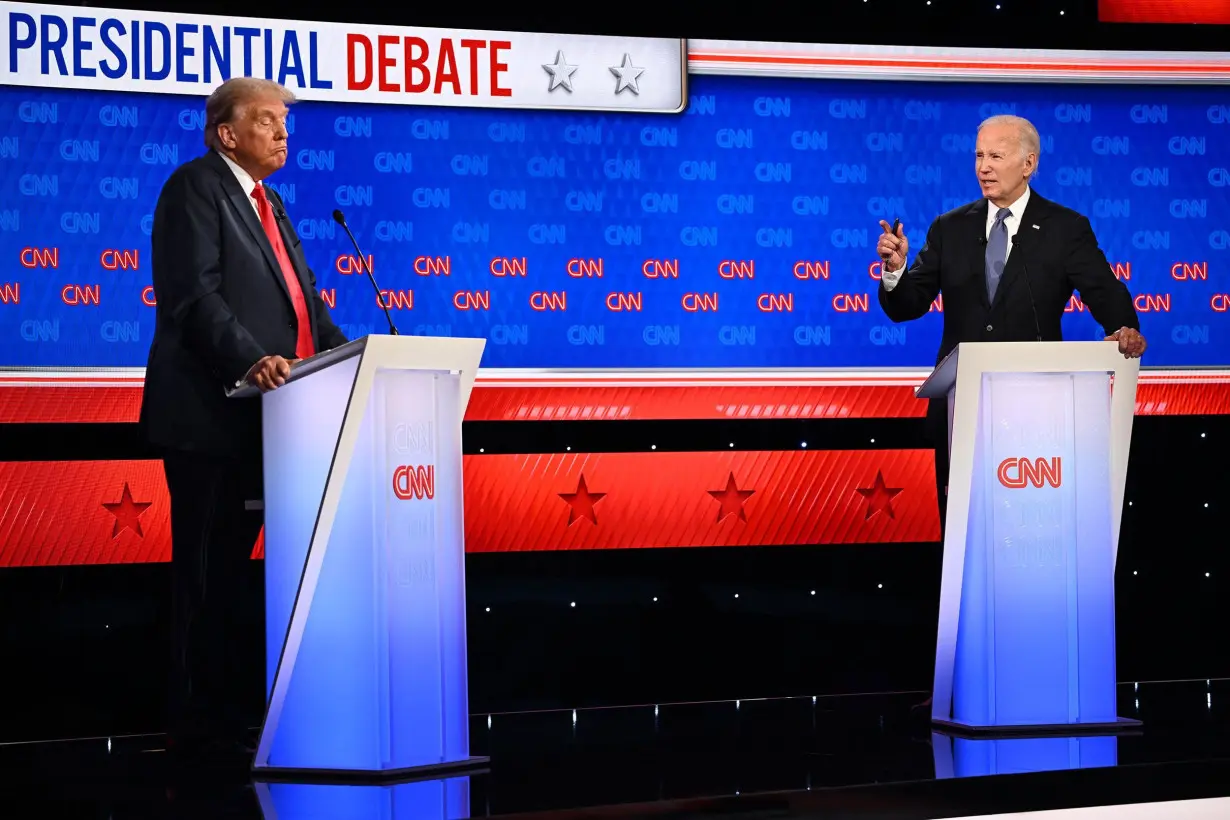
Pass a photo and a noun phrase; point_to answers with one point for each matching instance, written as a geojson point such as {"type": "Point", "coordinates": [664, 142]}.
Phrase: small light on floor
{"type": "Point", "coordinates": [1136, 686]}
{"type": "Point", "coordinates": [732, 444]}
{"type": "Point", "coordinates": [653, 446]}
{"type": "Point", "coordinates": [488, 609]}
{"type": "Point", "coordinates": [813, 592]}
{"type": "Point", "coordinates": [655, 710]}
{"type": "Point", "coordinates": [1129, 503]}
{"type": "Point", "coordinates": [736, 595]}
{"type": "Point", "coordinates": [736, 704]}
{"type": "Point", "coordinates": [879, 586]}
{"type": "Point", "coordinates": [803, 445]}
{"type": "Point", "coordinates": [1137, 704]}
{"type": "Point", "coordinates": [569, 449]}
{"type": "Point", "coordinates": [1206, 505]}
{"type": "Point", "coordinates": [1134, 572]}
{"type": "Point", "coordinates": [1206, 575]}
{"type": "Point", "coordinates": [873, 441]}
{"type": "Point", "coordinates": [574, 717]}
{"type": "Point", "coordinates": [655, 599]}
{"type": "Point", "coordinates": [813, 700]}
{"type": "Point", "coordinates": [1202, 435]}
{"type": "Point", "coordinates": [109, 742]}
{"type": "Point", "coordinates": [482, 449]}
{"type": "Point", "coordinates": [488, 721]}
{"type": "Point", "coordinates": [573, 604]}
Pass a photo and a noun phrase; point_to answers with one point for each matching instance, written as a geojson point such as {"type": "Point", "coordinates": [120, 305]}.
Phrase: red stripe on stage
{"type": "Point", "coordinates": [1169, 395]}
{"type": "Point", "coordinates": [118, 512]}
{"type": "Point", "coordinates": [714, 499]}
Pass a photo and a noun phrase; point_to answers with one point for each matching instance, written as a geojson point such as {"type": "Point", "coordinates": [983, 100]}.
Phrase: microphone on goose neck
{"type": "Point", "coordinates": [340, 219]}
{"type": "Point", "coordinates": [1033, 306]}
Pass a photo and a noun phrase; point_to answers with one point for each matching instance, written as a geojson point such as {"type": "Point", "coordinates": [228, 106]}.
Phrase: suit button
{"type": "Point", "coordinates": [990, 328]}
{"type": "Point", "coordinates": [291, 325]}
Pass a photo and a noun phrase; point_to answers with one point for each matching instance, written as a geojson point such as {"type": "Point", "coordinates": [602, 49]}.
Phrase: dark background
{"type": "Point", "coordinates": [83, 649]}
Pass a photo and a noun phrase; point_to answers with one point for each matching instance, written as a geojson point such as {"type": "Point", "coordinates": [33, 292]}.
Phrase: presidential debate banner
{"type": "Point", "coordinates": [739, 234]}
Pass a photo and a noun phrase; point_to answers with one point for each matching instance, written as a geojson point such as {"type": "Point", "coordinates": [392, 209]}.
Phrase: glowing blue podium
{"type": "Point", "coordinates": [365, 562]}
{"type": "Point", "coordinates": [1039, 434]}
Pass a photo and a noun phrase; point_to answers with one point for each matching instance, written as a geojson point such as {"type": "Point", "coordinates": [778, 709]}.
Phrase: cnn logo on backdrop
{"type": "Point", "coordinates": [1019, 473]}
{"type": "Point", "coordinates": [414, 482]}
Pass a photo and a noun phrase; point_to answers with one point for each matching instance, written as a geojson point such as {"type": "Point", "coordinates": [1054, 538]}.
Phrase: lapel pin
{"type": "Point", "coordinates": [1037, 228]}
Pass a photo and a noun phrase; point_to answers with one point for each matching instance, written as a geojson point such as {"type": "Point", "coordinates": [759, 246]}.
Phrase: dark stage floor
{"type": "Point", "coordinates": [854, 756]}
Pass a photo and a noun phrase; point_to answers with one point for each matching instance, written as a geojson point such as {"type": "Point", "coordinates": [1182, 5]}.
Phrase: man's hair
{"type": "Point", "coordinates": [223, 105]}
{"type": "Point", "coordinates": [1030, 142]}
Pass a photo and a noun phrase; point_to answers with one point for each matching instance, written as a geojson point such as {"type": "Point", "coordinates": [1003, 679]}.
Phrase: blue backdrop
{"type": "Point", "coordinates": [740, 234]}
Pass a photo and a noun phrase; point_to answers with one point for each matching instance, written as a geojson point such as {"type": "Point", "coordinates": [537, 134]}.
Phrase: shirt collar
{"type": "Point", "coordinates": [1017, 208]}
{"type": "Point", "coordinates": [245, 179]}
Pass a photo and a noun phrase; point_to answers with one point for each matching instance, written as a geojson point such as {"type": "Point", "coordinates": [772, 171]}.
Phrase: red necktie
{"type": "Point", "coordinates": [303, 345]}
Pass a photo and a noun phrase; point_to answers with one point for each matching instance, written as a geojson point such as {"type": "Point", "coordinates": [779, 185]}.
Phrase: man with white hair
{"type": "Point", "coordinates": [236, 302]}
{"type": "Point", "coordinates": [1007, 265]}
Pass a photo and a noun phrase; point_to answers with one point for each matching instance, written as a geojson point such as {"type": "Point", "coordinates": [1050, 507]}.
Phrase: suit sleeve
{"type": "Point", "coordinates": [913, 294]}
{"type": "Point", "coordinates": [1108, 299]}
{"type": "Point", "coordinates": [188, 276]}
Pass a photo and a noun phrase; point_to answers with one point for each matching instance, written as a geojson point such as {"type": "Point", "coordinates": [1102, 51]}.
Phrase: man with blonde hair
{"type": "Point", "coordinates": [236, 302]}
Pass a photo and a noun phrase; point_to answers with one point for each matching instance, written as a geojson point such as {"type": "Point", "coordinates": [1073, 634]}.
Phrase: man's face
{"type": "Point", "coordinates": [1003, 167]}
{"type": "Point", "coordinates": [256, 137]}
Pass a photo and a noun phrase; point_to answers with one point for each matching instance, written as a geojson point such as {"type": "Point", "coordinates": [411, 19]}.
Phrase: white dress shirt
{"type": "Point", "coordinates": [246, 182]}
{"type": "Point", "coordinates": [1012, 223]}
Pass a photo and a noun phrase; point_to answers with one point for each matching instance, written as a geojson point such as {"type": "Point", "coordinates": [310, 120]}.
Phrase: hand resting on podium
{"type": "Point", "coordinates": [270, 372]}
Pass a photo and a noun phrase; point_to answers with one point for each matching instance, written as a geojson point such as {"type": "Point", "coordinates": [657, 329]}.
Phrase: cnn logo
{"type": "Point", "coordinates": [1018, 473]}
{"type": "Point", "coordinates": [417, 482]}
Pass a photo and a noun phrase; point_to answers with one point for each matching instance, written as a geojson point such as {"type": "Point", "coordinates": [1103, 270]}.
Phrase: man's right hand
{"type": "Point", "coordinates": [893, 249]}
{"type": "Point", "coordinates": [269, 373]}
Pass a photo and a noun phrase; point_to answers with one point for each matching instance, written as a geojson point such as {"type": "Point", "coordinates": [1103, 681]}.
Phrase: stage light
{"type": "Point", "coordinates": [1202, 435]}
{"type": "Point", "coordinates": [736, 704]}
{"type": "Point", "coordinates": [879, 586]}
{"type": "Point", "coordinates": [569, 449]}
{"type": "Point", "coordinates": [488, 721]}
{"type": "Point", "coordinates": [109, 739]}
{"type": "Point", "coordinates": [655, 710]}
{"type": "Point", "coordinates": [813, 592]}
{"type": "Point", "coordinates": [488, 609]}
{"type": "Point", "coordinates": [655, 599]}
{"type": "Point", "coordinates": [1136, 686]}
{"type": "Point", "coordinates": [1206, 505]}
{"type": "Point", "coordinates": [481, 450]}
{"type": "Point", "coordinates": [1129, 503]}
{"type": "Point", "coordinates": [736, 595]}
{"type": "Point", "coordinates": [1207, 575]}
{"type": "Point", "coordinates": [574, 717]}
{"type": "Point", "coordinates": [573, 604]}
{"type": "Point", "coordinates": [1134, 572]}
{"type": "Point", "coordinates": [873, 441]}
{"type": "Point", "coordinates": [732, 444]}
{"type": "Point", "coordinates": [653, 446]}
{"type": "Point", "coordinates": [813, 700]}
{"type": "Point", "coordinates": [804, 445]}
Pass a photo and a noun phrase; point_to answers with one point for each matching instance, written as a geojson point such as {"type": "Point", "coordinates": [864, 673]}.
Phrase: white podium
{"type": "Point", "coordinates": [365, 562]}
{"type": "Point", "coordinates": [1039, 434]}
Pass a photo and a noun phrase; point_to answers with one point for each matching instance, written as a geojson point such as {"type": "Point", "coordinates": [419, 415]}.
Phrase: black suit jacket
{"type": "Point", "coordinates": [222, 305]}
{"type": "Point", "coordinates": [1059, 256]}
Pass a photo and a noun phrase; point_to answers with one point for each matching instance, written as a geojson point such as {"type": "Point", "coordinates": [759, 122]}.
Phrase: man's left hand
{"type": "Point", "coordinates": [1131, 344]}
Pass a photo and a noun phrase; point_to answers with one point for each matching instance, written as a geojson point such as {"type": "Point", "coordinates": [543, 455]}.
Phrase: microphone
{"type": "Point", "coordinates": [1033, 306]}
{"type": "Point", "coordinates": [340, 219]}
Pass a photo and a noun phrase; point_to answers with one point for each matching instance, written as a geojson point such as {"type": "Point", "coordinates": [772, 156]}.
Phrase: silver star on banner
{"type": "Point", "coordinates": [627, 75]}
{"type": "Point", "coordinates": [561, 73]}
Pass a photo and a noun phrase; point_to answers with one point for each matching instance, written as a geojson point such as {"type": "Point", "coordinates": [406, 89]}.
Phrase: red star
{"type": "Point", "coordinates": [732, 499]}
{"type": "Point", "coordinates": [879, 497]}
{"type": "Point", "coordinates": [581, 503]}
{"type": "Point", "coordinates": [127, 513]}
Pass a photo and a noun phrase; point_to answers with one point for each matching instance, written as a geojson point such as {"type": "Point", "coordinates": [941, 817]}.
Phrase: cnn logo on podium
{"type": "Point", "coordinates": [414, 482]}
{"type": "Point", "coordinates": [1018, 473]}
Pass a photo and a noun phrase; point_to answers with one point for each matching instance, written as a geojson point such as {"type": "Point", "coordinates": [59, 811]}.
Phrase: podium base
{"type": "Point", "coordinates": [1119, 726]}
{"type": "Point", "coordinates": [434, 771]}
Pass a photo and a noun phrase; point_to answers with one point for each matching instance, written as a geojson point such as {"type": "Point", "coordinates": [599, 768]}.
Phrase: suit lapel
{"type": "Point", "coordinates": [1035, 214]}
{"type": "Point", "coordinates": [246, 211]}
{"type": "Point", "coordinates": [284, 229]}
{"type": "Point", "coordinates": [978, 261]}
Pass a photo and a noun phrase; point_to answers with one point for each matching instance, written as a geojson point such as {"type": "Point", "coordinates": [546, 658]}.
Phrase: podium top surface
{"type": "Point", "coordinates": [423, 350]}
{"type": "Point", "coordinates": [1026, 357]}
